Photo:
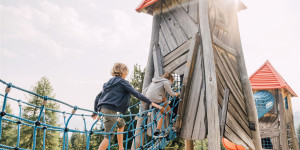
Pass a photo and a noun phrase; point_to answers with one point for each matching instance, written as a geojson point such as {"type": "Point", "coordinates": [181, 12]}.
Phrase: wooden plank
{"type": "Point", "coordinates": [233, 70]}
{"type": "Point", "coordinates": [228, 67]}
{"type": "Point", "coordinates": [186, 22]}
{"type": "Point", "coordinates": [210, 78]}
{"type": "Point", "coordinates": [186, 81]}
{"type": "Point", "coordinates": [233, 78]}
{"type": "Point", "coordinates": [189, 144]}
{"type": "Point", "coordinates": [229, 134]}
{"type": "Point", "coordinates": [149, 73]}
{"type": "Point", "coordinates": [157, 60]}
{"type": "Point", "coordinates": [224, 111]}
{"type": "Point", "coordinates": [283, 132]}
{"type": "Point", "coordinates": [174, 27]}
{"type": "Point", "coordinates": [236, 112]}
{"type": "Point", "coordinates": [192, 104]}
{"type": "Point", "coordinates": [235, 127]}
{"type": "Point", "coordinates": [184, 4]}
{"type": "Point", "coordinates": [236, 93]}
{"type": "Point", "coordinates": [270, 132]}
{"type": "Point", "coordinates": [168, 35]}
{"type": "Point", "coordinates": [182, 49]}
{"type": "Point", "coordinates": [163, 44]}
{"type": "Point", "coordinates": [222, 45]}
{"type": "Point", "coordinates": [200, 128]}
{"type": "Point", "coordinates": [193, 10]}
{"type": "Point", "coordinates": [180, 70]}
{"type": "Point", "coordinates": [176, 63]}
{"type": "Point", "coordinates": [233, 62]}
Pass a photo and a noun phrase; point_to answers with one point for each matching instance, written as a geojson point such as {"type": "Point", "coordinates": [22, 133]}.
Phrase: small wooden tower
{"type": "Point", "coordinates": [200, 41]}
{"type": "Point", "coordinates": [273, 101]}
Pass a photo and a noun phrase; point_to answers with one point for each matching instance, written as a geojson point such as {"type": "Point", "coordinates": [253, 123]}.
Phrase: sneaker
{"type": "Point", "coordinates": [159, 134]}
{"type": "Point", "coordinates": [156, 133]}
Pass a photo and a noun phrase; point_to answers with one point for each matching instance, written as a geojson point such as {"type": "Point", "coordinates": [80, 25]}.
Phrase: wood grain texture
{"type": "Point", "coordinates": [224, 111]}
{"type": "Point", "coordinates": [157, 61]}
{"type": "Point", "coordinates": [229, 79]}
{"type": "Point", "coordinates": [179, 51]}
{"type": "Point", "coordinates": [166, 31]}
{"type": "Point", "coordinates": [193, 100]}
{"type": "Point", "coordinates": [283, 132]}
{"type": "Point", "coordinates": [176, 63]}
{"type": "Point", "coordinates": [187, 78]}
{"type": "Point", "coordinates": [210, 78]}
{"type": "Point", "coordinates": [163, 44]}
{"type": "Point", "coordinates": [174, 27]}
{"type": "Point", "coordinates": [220, 44]}
{"type": "Point", "coordinates": [233, 109]}
{"type": "Point", "coordinates": [193, 10]}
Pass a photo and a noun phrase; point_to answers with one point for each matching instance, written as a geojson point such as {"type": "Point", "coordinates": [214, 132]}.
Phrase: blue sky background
{"type": "Point", "coordinates": [75, 43]}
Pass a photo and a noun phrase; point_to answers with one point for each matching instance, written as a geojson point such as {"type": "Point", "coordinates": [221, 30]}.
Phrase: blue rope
{"type": "Point", "coordinates": [153, 143]}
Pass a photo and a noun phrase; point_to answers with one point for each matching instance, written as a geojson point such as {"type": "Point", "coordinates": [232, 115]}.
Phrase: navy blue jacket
{"type": "Point", "coordinates": [116, 95]}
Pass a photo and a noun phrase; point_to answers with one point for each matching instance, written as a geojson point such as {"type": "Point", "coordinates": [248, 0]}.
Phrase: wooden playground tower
{"type": "Point", "coordinates": [276, 123]}
{"type": "Point", "coordinates": [200, 41]}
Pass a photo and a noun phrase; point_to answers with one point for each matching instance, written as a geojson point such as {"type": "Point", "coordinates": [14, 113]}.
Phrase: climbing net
{"type": "Point", "coordinates": [130, 135]}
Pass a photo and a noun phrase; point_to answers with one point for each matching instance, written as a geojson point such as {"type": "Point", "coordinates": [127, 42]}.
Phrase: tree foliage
{"type": "Point", "coordinates": [9, 129]}
{"type": "Point", "coordinates": [43, 87]}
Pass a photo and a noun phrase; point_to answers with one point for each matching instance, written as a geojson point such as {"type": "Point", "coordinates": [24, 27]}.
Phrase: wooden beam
{"type": "Point", "coordinates": [224, 111]}
{"type": "Point", "coordinates": [157, 60]}
{"type": "Point", "coordinates": [182, 49]}
{"type": "Point", "coordinates": [210, 78]}
{"type": "Point", "coordinates": [247, 91]}
{"type": "Point", "coordinates": [189, 144]}
{"type": "Point", "coordinates": [220, 44]}
{"type": "Point", "coordinates": [282, 117]}
{"type": "Point", "coordinates": [149, 73]}
{"type": "Point", "coordinates": [176, 63]}
{"type": "Point", "coordinates": [163, 44]}
{"type": "Point", "coordinates": [188, 73]}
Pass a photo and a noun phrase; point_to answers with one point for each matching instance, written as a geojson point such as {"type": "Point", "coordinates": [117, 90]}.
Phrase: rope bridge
{"type": "Point", "coordinates": [151, 142]}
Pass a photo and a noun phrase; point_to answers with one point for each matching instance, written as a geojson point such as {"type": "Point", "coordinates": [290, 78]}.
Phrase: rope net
{"type": "Point", "coordinates": [151, 142]}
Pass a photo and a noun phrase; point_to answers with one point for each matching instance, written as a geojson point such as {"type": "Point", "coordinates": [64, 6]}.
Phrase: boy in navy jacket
{"type": "Point", "coordinates": [115, 97]}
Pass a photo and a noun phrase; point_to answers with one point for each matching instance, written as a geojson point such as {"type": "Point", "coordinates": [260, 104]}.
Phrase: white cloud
{"type": "Point", "coordinates": [7, 53]}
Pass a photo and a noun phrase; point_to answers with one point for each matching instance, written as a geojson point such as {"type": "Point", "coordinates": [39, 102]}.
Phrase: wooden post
{"type": "Point", "coordinates": [189, 144]}
{"type": "Point", "coordinates": [224, 111]}
{"type": "Point", "coordinates": [282, 115]}
{"type": "Point", "coordinates": [210, 79]}
{"type": "Point", "coordinates": [247, 91]}
{"type": "Point", "coordinates": [149, 73]}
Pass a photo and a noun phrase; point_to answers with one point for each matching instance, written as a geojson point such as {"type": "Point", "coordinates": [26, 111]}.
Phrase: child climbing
{"type": "Point", "coordinates": [115, 97]}
{"type": "Point", "coordinates": [156, 92]}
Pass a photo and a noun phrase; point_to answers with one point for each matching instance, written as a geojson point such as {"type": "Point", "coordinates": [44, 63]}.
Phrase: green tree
{"type": "Point", "coordinates": [77, 141]}
{"type": "Point", "coordinates": [136, 80]}
{"type": "Point", "coordinates": [95, 140]}
{"type": "Point", "coordinates": [44, 88]}
{"type": "Point", "coordinates": [9, 129]}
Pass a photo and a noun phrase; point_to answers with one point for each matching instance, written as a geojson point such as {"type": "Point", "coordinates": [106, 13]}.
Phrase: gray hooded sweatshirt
{"type": "Point", "coordinates": [157, 89]}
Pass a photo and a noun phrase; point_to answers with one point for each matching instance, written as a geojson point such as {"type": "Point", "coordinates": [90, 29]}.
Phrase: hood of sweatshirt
{"type": "Point", "coordinates": [111, 83]}
{"type": "Point", "coordinates": [159, 79]}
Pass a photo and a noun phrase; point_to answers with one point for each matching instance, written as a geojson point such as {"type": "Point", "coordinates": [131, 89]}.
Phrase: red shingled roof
{"type": "Point", "coordinates": [145, 4]}
{"type": "Point", "coordinates": [266, 77]}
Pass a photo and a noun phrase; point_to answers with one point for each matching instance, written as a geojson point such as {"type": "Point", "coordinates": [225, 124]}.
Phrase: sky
{"type": "Point", "coordinates": [76, 43]}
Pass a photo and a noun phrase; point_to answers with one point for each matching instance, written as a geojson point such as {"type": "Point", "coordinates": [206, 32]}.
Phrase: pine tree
{"type": "Point", "coordinates": [9, 129]}
{"type": "Point", "coordinates": [136, 81]}
{"type": "Point", "coordinates": [44, 88]}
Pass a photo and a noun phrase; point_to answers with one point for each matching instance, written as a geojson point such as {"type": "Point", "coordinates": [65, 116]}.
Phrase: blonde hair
{"type": "Point", "coordinates": [168, 76]}
{"type": "Point", "coordinates": [119, 69]}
